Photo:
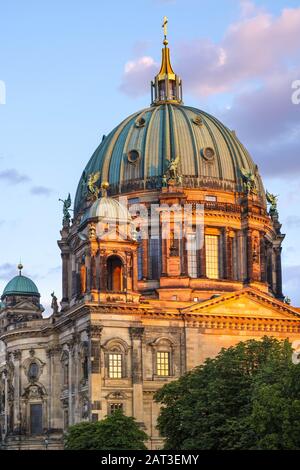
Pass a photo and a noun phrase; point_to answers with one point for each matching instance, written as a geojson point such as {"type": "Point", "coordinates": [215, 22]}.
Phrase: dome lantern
{"type": "Point", "coordinates": [167, 86]}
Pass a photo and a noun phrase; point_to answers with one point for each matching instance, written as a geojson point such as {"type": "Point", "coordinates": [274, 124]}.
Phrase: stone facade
{"type": "Point", "coordinates": [139, 311]}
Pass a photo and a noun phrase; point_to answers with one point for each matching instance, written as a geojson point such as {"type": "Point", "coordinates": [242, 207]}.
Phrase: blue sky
{"type": "Point", "coordinates": [73, 70]}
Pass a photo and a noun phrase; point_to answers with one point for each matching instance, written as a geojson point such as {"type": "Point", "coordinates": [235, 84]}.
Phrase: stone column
{"type": "Point", "coordinates": [94, 332]}
{"type": "Point", "coordinates": [88, 273]}
{"type": "Point", "coordinates": [103, 271]}
{"type": "Point", "coordinates": [263, 258]}
{"type": "Point", "coordinates": [6, 408]}
{"type": "Point", "coordinates": [278, 268]}
{"type": "Point", "coordinates": [55, 404]}
{"type": "Point", "coordinates": [184, 264]}
{"type": "Point", "coordinates": [76, 376]}
{"type": "Point", "coordinates": [249, 256]}
{"type": "Point", "coordinates": [164, 250]}
{"type": "Point", "coordinates": [228, 271]}
{"type": "Point", "coordinates": [17, 390]}
{"type": "Point", "coordinates": [71, 382]}
{"type": "Point", "coordinates": [49, 371]}
{"type": "Point", "coordinates": [136, 334]}
{"type": "Point", "coordinates": [65, 278]}
{"type": "Point", "coordinates": [202, 259]}
{"type": "Point", "coordinates": [145, 252]}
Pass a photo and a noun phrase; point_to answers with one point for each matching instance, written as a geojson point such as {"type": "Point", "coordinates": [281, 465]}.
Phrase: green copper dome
{"type": "Point", "coordinates": [20, 285]}
{"type": "Point", "coordinates": [136, 154]}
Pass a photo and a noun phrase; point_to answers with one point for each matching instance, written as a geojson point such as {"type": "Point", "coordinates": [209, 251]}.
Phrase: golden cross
{"type": "Point", "coordinates": [165, 26]}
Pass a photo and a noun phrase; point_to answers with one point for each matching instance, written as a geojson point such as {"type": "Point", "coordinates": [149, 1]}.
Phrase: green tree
{"type": "Point", "coordinates": [115, 432]}
{"type": "Point", "coordinates": [248, 397]}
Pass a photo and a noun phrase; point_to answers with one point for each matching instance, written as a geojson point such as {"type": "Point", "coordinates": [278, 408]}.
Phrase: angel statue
{"type": "Point", "coordinates": [273, 201]}
{"type": "Point", "coordinates": [173, 168]}
{"type": "Point", "coordinates": [66, 210]}
{"type": "Point", "coordinates": [92, 179]}
{"type": "Point", "coordinates": [248, 181]}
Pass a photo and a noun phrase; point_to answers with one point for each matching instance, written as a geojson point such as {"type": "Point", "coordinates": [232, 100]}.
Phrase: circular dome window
{"type": "Point", "coordinates": [140, 122]}
{"type": "Point", "coordinates": [197, 121]}
{"type": "Point", "coordinates": [208, 153]}
{"type": "Point", "coordinates": [133, 156]}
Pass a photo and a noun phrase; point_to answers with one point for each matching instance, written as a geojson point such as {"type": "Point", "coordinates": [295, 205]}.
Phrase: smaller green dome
{"type": "Point", "coordinates": [20, 285]}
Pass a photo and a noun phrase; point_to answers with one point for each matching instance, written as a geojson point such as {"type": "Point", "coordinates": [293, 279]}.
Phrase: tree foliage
{"type": "Point", "coordinates": [248, 397]}
{"type": "Point", "coordinates": [115, 432]}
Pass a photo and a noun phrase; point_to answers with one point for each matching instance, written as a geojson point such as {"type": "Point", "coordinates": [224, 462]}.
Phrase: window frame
{"type": "Point", "coordinates": [117, 365]}
{"type": "Point", "coordinates": [160, 363]}
{"type": "Point", "coordinates": [217, 255]}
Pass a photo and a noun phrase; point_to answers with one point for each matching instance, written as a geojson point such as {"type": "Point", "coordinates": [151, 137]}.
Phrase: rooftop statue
{"type": "Point", "coordinates": [172, 171]}
{"type": "Point", "coordinates": [92, 179]}
{"type": "Point", "coordinates": [249, 181]}
{"type": "Point", "coordinates": [66, 209]}
{"type": "Point", "coordinates": [54, 304]}
{"type": "Point", "coordinates": [273, 201]}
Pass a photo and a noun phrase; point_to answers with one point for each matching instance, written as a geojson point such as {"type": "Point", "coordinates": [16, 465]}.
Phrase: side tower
{"type": "Point", "coordinates": [99, 253]}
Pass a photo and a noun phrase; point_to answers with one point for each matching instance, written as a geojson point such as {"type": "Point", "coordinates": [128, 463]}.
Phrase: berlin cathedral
{"type": "Point", "coordinates": [147, 293]}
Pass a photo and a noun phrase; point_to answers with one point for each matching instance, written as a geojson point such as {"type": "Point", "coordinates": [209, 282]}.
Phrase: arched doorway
{"type": "Point", "coordinates": [114, 274]}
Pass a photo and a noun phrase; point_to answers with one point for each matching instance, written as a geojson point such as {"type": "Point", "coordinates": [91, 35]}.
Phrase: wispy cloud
{"type": "Point", "coordinates": [12, 176]}
{"type": "Point", "coordinates": [41, 191]}
{"type": "Point", "coordinates": [7, 271]}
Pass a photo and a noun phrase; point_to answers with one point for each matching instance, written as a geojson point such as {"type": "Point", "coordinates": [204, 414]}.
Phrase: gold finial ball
{"type": "Point", "coordinates": [105, 185]}
{"type": "Point", "coordinates": [20, 266]}
{"type": "Point", "coordinates": [166, 42]}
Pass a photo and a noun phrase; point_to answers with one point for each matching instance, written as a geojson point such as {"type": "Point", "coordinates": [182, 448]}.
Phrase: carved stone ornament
{"type": "Point", "coordinates": [136, 332]}
{"type": "Point", "coordinates": [94, 331]}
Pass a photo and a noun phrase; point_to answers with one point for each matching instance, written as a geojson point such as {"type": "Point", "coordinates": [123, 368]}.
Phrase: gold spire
{"type": "Point", "coordinates": [166, 85]}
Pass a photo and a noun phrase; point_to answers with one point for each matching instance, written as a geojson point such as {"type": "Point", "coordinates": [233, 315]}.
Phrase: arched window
{"type": "Point", "coordinates": [163, 360]}
{"type": "Point", "coordinates": [116, 352]}
{"type": "Point", "coordinates": [115, 274]}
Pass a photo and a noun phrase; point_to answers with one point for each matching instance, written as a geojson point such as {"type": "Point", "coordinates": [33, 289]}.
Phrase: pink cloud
{"type": "Point", "coordinates": [137, 75]}
{"type": "Point", "coordinates": [254, 47]}
{"type": "Point", "coordinates": [268, 111]}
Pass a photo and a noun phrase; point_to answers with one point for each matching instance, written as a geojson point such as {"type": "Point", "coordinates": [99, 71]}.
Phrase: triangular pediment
{"type": "Point", "coordinates": [24, 306]}
{"type": "Point", "coordinates": [249, 303]}
{"type": "Point", "coordinates": [115, 234]}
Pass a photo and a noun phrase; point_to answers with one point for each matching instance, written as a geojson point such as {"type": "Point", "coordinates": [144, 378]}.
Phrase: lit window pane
{"type": "Point", "coordinates": [212, 256]}
{"type": "Point", "coordinates": [163, 363]}
{"type": "Point", "coordinates": [115, 366]}
{"type": "Point", "coordinates": [115, 407]}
